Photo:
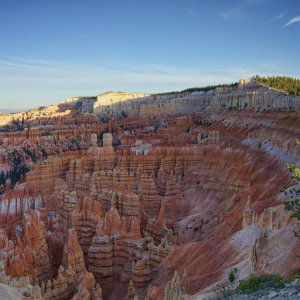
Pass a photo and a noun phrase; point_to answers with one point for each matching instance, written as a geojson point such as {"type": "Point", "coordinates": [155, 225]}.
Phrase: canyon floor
{"type": "Point", "coordinates": [137, 196]}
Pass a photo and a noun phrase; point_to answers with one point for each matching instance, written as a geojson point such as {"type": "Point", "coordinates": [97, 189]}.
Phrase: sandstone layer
{"type": "Point", "coordinates": [136, 196]}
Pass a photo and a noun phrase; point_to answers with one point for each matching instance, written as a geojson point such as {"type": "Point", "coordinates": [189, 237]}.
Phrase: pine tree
{"type": "Point", "coordinates": [288, 84]}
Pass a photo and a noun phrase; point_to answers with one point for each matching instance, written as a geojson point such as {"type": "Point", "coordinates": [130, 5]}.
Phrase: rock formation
{"type": "Point", "coordinates": [85, 218]}
{"type": "Point", "coordinates": [120, 193]}
{"type": "Point", "coordinates": [73, 255]}
{"type": "Point", "coordinates": [131, 291]}
{"type": "Point", "coordinates": [35, 239]}
{"type": "Point", "coordinates": [175, 288]}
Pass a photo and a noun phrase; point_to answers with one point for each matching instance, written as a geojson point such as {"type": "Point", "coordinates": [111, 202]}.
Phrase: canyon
{"type": "Point", "coordinates": [139, 196]}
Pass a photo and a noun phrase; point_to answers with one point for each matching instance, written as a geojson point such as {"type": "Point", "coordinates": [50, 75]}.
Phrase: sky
{"type": "Point", "coordinates": [50, 50]}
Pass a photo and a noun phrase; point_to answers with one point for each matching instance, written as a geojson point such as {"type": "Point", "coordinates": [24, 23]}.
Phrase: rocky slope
{"type": "Point", "coordinates": [134, 196]}
{"type": "Point", "coordinates": [290, 291]}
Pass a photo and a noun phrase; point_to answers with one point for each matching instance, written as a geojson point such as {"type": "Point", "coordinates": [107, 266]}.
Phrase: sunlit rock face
{"type": "Point", "coordinates": [136, 196]}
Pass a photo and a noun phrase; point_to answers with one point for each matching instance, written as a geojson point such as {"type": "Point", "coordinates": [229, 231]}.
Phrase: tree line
{"type": "Point", "coordinates": [200, 89]}
{"type": "Point", "coordinates": [285, 83]}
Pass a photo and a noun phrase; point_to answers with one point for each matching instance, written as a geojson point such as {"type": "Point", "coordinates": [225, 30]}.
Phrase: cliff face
{"type": "Point", "coordinates": [143, 202]}
{"type": "Point", "coordinates": [247, 95]}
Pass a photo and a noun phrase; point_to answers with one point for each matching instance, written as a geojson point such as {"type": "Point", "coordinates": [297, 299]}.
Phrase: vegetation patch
{"type": "Point", "coordinates": [295, 276]}
{"type": "Point", "coordinates": [231, 275]}
{"type": "Point", "coordinates": [255, 283]}
{"type": "Point", "coordinates": [200, 89]}
{"type": "Point", "coordinates": [292, 204]}
{"type": "Point", "coordinates": [18, 167]}
{"type": "Point", "coordinates": [285, 83]}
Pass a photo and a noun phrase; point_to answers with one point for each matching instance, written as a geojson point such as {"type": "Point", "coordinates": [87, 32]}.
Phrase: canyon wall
{"type": "Point", "coordinates": [160, 200]}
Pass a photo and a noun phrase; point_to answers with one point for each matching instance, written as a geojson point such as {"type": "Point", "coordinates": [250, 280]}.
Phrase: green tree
{"type": "Point", "coordinates": [288, 84]}
{"type": "Point", "coordinates": [293, 202]}
{"type": "Point", "coordinates": [2, 177]}
{"type": "Point", "coordinates": [231, 276]}
{"type": "Point", "coordinates": [18, 167]}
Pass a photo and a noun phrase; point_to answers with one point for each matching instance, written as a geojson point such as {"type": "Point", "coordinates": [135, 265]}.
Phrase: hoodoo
{"type": "Point", "coordinates": [148, 196]}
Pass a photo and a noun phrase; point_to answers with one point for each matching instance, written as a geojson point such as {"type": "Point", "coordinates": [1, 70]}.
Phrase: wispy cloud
{"type": "Point", "coordinates": [280, 16]}
{"type": "Point", "coordinates": [269, 67]}
{"type": "Point", "coordinates": [27, 83]}
{"type": "Point", "coordinates": [293, 21]}
{"type": "Point", "coordinates": [234, 13]}
{"type": "Point", "coordinates": [277, 18]}
{"type": "Point", "coordinates": [250, 69]}
{"type": "Point", "coordinates": [61, 72]}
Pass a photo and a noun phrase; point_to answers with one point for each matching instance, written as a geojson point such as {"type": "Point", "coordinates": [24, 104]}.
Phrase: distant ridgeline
{"type": "Point", "coordinates": [200, 89]}
{"type": "Point", "coordinates": [288, 84]}
{"type": "Point", "coordinates": [257, 93]}
{"type": "Point", "coordinates": [284, 83]}
{"type": "Point", "coordinates": [246, 95]}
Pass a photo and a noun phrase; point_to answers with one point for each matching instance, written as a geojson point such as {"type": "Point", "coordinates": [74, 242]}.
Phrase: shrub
{"type": "Point", "coordinates": [279, 283]}
{"type": "Point", "coordinates": [295, 275]}
{"type": "Point", "coordinates": [255, 283]}
{"type": "Point", "coordinates": [18, 167]}
{"type": "Point", "coordinates": [104, 118]}
{"type": "Point", "coordinates": [231, 276]}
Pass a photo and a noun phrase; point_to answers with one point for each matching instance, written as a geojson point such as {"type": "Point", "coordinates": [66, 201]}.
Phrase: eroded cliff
{"type": "Point", "coordinates": [149, 197]}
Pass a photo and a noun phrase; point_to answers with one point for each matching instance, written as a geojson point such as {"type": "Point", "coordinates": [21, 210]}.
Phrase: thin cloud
{"type": "Point", "coordinates": [293, 21]}
{"type": "Point", "coordinates": [61, 72]}
{"type": "Point", "coordinates": [252, 68]}
{"type": "Point", "coordinates": [280, 16]}
{"type": "Point", "coordinates": [277, 18]}
{"type": "Point", "coordinates": [39, 82]}
{"type": "Point", "coordinates": [234, 13]}
{"type": "Point", "coordinates": [269, 67]}
{"type": "Point", "coordinates": [29, 83]}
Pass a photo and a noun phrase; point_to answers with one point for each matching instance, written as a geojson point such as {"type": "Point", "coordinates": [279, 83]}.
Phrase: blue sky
{"type": "Point", "coordinates": [50, 50]}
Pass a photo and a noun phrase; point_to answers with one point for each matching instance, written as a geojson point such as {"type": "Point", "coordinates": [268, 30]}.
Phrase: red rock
{"type": "Point", "coordinates": [172, 196]}
{"type": "Point", "coordinates": [85, 218]}
{"type": "Point", "coordinates": [73, 255]}
{"type": "Point", "coordinates": [113, 223]}
{"type": "Point", "coordinates": [131, 295]}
